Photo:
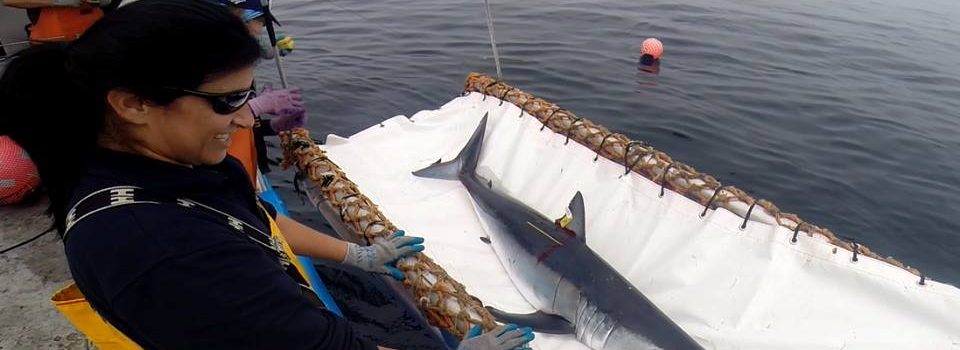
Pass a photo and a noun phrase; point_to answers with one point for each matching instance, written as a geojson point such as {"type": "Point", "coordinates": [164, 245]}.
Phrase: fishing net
{"type": "Point", "coordinates": [443, 300]}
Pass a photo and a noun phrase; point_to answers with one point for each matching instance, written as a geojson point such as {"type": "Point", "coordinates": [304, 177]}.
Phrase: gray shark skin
{"type": "Point", "coordinates": [574, 289]}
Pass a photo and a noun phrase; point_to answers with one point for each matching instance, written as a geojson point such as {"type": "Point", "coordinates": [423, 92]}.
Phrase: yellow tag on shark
{"type": "Point", "coordinates": [566, 219]}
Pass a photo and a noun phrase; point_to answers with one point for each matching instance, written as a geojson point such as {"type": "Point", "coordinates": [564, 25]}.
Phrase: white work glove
{"type": "Point", "coordinates": [381, 256]}
{"type": "Point", "coordinates": [505, 337]}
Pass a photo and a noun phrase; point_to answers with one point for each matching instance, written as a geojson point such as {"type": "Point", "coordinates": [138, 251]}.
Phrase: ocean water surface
{"type": "Point", "coordinates": [845, 113]}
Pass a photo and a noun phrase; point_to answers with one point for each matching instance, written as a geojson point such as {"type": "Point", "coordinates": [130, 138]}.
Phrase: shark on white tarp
{"type": "Point", "coordinates": [574, 289]}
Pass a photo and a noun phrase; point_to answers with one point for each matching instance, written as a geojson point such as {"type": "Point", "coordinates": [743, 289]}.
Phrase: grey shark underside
{"type": "Point", "coordinates": [574, 290]}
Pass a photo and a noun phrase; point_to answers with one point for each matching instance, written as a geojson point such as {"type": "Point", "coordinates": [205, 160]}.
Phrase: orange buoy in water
{"type": "Point", "coordinates": [652, 47]}
{"type": "Point", "coordinates": [18, 174]}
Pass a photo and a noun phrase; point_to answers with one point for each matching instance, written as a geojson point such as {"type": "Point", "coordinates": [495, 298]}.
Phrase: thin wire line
{"type": "Point", "coordinates": [493, 41]}
{"type": "Point", "coordinates": [34, 238]}
{"type": "Point", "coordinates": [358, 15]}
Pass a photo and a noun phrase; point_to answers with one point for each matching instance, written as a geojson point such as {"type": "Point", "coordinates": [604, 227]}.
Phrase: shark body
{"type": "Point", "coordinates": [574, 289]}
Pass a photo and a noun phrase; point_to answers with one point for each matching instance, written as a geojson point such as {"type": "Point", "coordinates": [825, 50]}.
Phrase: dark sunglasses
{"type": "Point", "coordinates": [222, 103]}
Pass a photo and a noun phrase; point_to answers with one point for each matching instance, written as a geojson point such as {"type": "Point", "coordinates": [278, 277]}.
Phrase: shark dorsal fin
{"type": "Point", "coordinates": [578, 223]}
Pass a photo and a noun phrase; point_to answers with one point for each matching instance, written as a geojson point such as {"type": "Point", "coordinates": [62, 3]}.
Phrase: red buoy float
{"type": "Point", "coordinates": [652, 47]}
{"type": "Point", "coordinates": [18, 174]}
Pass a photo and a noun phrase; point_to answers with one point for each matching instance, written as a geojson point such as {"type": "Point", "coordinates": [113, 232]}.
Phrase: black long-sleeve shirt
{"type": "Point", "coordinates": [174, 278]}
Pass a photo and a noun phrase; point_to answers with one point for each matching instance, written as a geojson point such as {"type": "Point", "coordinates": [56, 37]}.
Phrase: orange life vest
{"type": "Point", "coordinates": [64, 23]}
{"type": "Point", "coordinates": [243, 147]}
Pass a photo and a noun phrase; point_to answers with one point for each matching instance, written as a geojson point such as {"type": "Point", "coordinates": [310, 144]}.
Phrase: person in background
{"type": "Point", "coordinates": [60, 20]}
{"type": "Point", "coordinates": [256, 24]}
{"type": "Point", "coordinates": [163, 233]}
{"type": "Point", "coordinates": [286, 105]}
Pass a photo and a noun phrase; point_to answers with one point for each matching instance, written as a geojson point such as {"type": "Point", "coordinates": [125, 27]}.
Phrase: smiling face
{"type": "Point", "coordinates": [187, 131]}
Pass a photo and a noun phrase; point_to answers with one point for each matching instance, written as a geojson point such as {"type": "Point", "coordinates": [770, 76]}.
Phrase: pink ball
{"type": "Point", "coordinates": [652, 47]}
{"type": "Point", "coordinates": [18, 174]}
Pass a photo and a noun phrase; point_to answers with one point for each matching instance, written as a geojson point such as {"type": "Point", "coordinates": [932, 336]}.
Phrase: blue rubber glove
{"type": "Point", "coordinates": [382, 255]}
{"type": "Point", "coordinates": [505, 337]}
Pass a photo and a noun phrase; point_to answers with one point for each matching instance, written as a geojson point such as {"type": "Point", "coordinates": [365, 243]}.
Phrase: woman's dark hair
{"type": "Point", "coordinates": [53, 96]}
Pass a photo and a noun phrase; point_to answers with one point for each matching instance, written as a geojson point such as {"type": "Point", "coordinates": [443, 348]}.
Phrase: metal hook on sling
{"type": "Point", "coordinates": [579, 120]}
{"type": "Point", "coordinates": [856, 250]}
{"type": "Point", "coordinates": [743, 226]}
{"type": "Point", "coordinates": [793, 240]}
{"type": "Point", "coordinates": [523, 107]}
{"type": "Point", "coordinates": [545, 122]}
{"type": "Point", "coordinates": [626, 155]}
{"type": "Point", "coordinates": [487, 87]}
{"type": "Point", "coordinates": [603, 141]}
{"type": "Point", "coordinates": [663, 179]}
{"type": "Point", "coordinates": [504, 95]}
{"type": "Point", "coordinates": [712, 198]}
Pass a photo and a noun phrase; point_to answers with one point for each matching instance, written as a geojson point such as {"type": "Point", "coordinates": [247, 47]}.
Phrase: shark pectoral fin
{"type": "Point", "coordinates": [578, 224]}
{"type": "Point", "coordinates": [540, 321]}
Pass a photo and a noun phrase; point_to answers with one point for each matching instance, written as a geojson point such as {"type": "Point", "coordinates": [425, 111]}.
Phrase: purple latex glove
{"type": "Point", "coordinates": [281, 103]}
{"type": "Point", "coordinates": [287, 121]}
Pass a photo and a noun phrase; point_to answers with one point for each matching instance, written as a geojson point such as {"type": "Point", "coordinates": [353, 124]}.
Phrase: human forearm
{"type": "Point", "coordinates": [309, 242]}
{"type": "Point", "coordinates": [379, 257]}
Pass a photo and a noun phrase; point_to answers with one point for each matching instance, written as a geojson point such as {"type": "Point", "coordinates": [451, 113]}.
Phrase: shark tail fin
{"type": "Point", "coordinates": [466, 161]}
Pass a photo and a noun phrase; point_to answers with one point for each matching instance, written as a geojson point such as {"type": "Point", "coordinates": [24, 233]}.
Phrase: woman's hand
{"type": "Point", "coordinates": [277, 102]}
{"type": "Point", "coordinates": [382, 255]}
{"type": "Point", "coordinates": [286, 121]}
{"type": "Point", "coordinates": [505, 337]}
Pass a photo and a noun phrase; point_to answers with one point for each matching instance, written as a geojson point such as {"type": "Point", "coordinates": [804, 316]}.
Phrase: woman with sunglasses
{"type": "Point", "coordinates": [163, 233]}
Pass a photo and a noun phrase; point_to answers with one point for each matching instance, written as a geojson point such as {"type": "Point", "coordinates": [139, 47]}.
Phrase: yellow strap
{"type": "Point", "coordinates": [275, 232]}
{"type": "Point", "coordinates": [74, 306]}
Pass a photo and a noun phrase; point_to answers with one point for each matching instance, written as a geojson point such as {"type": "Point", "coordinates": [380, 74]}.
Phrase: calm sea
{"type": "Point", "coordinates": [843, 112]}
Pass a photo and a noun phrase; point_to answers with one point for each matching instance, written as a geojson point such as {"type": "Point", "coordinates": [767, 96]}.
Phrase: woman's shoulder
{"type": "Point", "coordinates": [118, 245]}
{"type": "Point", "coordinates": [166, 228]}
